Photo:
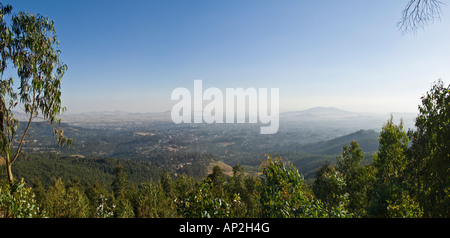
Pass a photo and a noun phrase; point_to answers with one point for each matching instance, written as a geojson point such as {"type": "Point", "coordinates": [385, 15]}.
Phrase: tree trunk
{"type": "Point", "coordinates": [3, 139]}
{"type": "Point", "coordinates": [9, 171]}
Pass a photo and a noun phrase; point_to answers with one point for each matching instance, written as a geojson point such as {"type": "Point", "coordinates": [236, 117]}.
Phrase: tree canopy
{"type": "Point", "coordinates": [30, 44]}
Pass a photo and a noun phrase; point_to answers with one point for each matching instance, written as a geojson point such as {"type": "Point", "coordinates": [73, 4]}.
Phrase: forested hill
{"type": "Point", "coordinates": [367, 139]}
{"type": "Point", "coordinates": [48, 167]}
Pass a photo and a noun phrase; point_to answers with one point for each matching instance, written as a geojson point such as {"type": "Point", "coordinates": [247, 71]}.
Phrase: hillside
{"type": "Point", "coordinates": [309, 157]}
{"type": "Point", "coordinates": [50, 166]}
{"type": "Point", "coordinates": [367, 140]}
{"type": "Point", "coordinates": [226, 169]}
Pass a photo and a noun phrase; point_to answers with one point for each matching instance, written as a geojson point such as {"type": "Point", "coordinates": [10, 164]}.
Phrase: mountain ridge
{"type": "Point", "coordinates": [367, 139]}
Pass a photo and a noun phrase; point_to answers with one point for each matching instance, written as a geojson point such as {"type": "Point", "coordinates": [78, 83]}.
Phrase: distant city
{"type": "Point", "coordinates": [154, 137]}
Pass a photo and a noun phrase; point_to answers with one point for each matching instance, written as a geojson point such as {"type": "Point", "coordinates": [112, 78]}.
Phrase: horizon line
{"type": "Point", "coordinates": [281, 112]}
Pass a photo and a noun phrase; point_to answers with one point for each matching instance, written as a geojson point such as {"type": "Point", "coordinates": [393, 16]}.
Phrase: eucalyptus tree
{"type": "Point", "coordinates": [30, 45]}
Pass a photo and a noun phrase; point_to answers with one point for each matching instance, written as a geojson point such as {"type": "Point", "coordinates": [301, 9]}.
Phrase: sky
{"type": "Point", "coordinates": [349, 54]}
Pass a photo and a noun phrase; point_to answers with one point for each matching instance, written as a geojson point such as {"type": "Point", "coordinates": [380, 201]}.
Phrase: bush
{"type": "Point", "coordinates": [204, 203]}
{"type": "Point", "coordinates": [18, 201]}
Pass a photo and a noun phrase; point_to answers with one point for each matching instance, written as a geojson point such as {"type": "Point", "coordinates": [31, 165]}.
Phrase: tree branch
{"type": "Point", "coordinates": [418, 13]}
{"type": "Point", "coordinates": [26, 130]}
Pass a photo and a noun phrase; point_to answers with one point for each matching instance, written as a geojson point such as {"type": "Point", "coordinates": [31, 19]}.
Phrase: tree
{"type": "Point", "coordinates": [167, 185]}
{"type": "Point", "coordinates": [418, 13]}
{"type": "Point", "coordinates": [282, 194]}
{"type": "Point", "coordinates": [246, 187]}
{"type": "Point", "coordinates": [18, 201]}
{"type": "Point", "coordinates": [358, 178]}
{"type": "Point", "coordinates": [31, 46]}
{"type": "Point", "coordinates": [100, 199]}
{"type": "Point", "coordinates": [218, 180]}
{"type": "Point", "coordinates": [183, 185]}
{"type": "Point", "coordinates": [153, 202]}
{"type": "Point", "coordinates": [66, 201]}
{"type": "Point", "coordinates": [430, 152]}
{"type": "Point", "coordinates": [205, 202]}
{"type": "Point", "coordinates": [390, 194]}
{"type": "Point", "coordinates": [121, 191]}
{"type": "Point", "coordinates": [350, 159]}
{"type": "Point", "coordinates": [390, 159]}
{"type": "Point", "coordinates": [329, 186]}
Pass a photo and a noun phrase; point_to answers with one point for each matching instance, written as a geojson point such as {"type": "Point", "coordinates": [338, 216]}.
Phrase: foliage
{"type": "Point", "coordinates": [122, 191]}
{"type": "Point", "coordinates": [202, 203]}
{"type": "Point", "coordinates": [100, 201]}
{"type": "Point", "coordinates": [358, 178]}
{"type": "Point", "coordinates": [403, 206]}
{"type": "Point", "coordinates": [390, 163]}
{"type": "Point", "coordinates": [429, 169]}
{"type": "Point", "coordinates": [248, 189]}
{"type": "Point", "coordinates": [103, 209]}
{"type": "Point", "coordinates": [30, 43]}
{"type": "Point", "coordinates": [390, 160]}
{"type": "Point", "coordinates": [283, 194]}
{"type": "Point", "coordinates": [66, 201]}
{"type": "Point", "coordinates": [329, 186]}
{"type": "Point", "coordinates": [49, 166]}
{"type": "Point", "coordinates": [18, 201]}
{"type": "Point", "coordinates": [153, 201]}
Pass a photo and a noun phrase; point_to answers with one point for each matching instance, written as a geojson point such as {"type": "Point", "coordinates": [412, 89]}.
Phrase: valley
{"type": "Point", "coordinates": [307, 138]}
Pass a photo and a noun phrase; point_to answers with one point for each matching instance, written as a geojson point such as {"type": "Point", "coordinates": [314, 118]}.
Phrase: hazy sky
{"type": "Point", "coordinates": [130, 55]}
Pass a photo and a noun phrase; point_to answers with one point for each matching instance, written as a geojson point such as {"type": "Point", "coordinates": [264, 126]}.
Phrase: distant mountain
{"type": "Point", "coordinates": [115, 116]}
{"type": "Point", "coordinates": [319, 113]}
{"type": "Point", "coordinates": [367, 139]}
{"type": "Point", "coordinates": [346, 121]}
{"type": "Point", "coordinates": [318, 116]}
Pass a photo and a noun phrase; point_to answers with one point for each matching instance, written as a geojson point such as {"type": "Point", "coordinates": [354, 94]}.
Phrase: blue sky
{"type": "Point", "coordinates": [348, 54]}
